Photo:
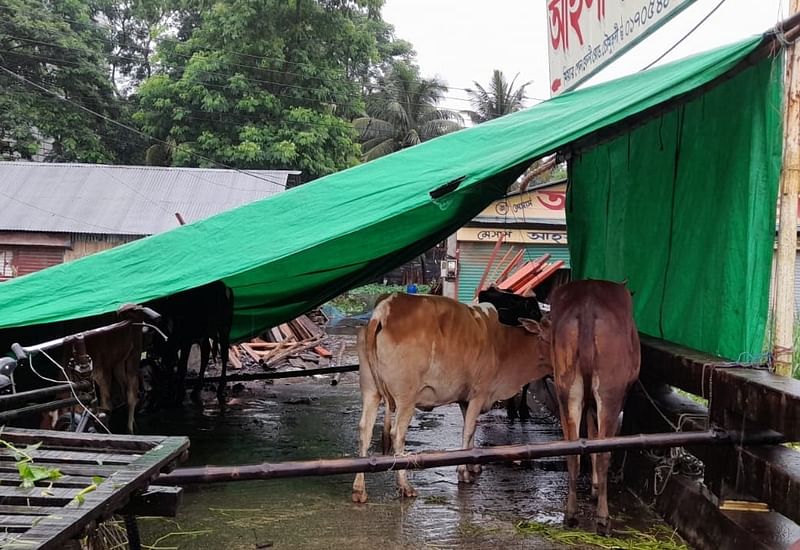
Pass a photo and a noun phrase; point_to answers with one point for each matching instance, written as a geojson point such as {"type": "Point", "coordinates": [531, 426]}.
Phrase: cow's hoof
{"type": "Point", "coordinates": [359, 497]}
{"type": "Point", "coordinates": [571, 520]}
{"type": "Point", "coordinates": [603, 527]}
{"type": "Point", "coordinates": [408, 492]}
{"type": "Point", "coordinates": [524, 413]}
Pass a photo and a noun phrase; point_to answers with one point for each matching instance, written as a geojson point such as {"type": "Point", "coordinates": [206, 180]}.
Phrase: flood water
{"type": "Point", "coordinates": [309, 418]}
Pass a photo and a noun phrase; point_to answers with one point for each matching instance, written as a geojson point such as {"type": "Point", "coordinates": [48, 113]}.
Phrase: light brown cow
{"type": "Point", "coordinates": [426, 351]}
{"type": "Point", "coordinates": [596, 359]}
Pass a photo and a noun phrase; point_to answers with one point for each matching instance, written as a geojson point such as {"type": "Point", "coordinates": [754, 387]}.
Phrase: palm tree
{"type": "Point", "coordinates": [500, 99]}
{"type": "Point", "coordinates": [403, 113]}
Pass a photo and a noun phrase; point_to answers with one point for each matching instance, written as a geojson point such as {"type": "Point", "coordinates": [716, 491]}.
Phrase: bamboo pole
{"type": "Point", "coordinates": [247, 377]}
{"type": "Point", "coordinates": [486, 455]}
{"type": "Point", "coordinates": [787, 230]}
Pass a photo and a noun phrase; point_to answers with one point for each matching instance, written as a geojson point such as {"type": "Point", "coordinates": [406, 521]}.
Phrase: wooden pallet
{"type": "Point", "coordinates": [48, 516]}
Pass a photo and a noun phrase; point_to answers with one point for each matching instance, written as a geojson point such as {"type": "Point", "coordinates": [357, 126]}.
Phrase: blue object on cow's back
{"type": "Point", "coordinates": [411, 289]}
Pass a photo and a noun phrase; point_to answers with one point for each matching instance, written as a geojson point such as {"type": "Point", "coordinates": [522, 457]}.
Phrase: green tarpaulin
{"type": "Point", "coordinates": [290, 252]}
{"type": "Point", "coordinates": [684, 208]}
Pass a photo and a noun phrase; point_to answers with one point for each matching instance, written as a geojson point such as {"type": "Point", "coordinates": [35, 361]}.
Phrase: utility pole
{"type": "Point", "coordinates": [787, 230]}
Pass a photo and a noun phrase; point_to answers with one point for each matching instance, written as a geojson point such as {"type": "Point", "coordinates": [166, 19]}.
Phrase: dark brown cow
{"type": "Point", "coordinates": [426, 351]}
{"type": "Point", "coordinates": [196, 316]}
{"type": "Point", "coordinates": [596, 357]}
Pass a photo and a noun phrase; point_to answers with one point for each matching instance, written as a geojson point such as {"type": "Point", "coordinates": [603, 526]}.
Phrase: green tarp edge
{"type": "Point", "coordinates": [292, 251]}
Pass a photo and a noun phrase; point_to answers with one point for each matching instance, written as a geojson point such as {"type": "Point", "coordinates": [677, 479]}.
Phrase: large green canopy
{"type": "Point", "coordinates": [288, 253]}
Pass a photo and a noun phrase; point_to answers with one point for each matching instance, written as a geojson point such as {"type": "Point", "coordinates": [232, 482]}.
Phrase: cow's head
{"type": "Point", "coordinates": [543, 333]}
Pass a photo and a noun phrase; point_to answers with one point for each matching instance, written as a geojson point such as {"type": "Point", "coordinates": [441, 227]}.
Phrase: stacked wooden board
{"type": "Point", "coordinates": [517, 276]}
{"type": "Point", "coordinates": [298, 343]}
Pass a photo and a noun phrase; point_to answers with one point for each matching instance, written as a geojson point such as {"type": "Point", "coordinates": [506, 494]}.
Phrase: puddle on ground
{"type": "Point", "coordinates": [312, 419]}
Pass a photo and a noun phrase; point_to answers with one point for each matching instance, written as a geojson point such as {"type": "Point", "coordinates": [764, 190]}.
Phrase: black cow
{"type": "Point", "coordinates": [510, 308]}
{"type": "Point", "coordinates": [196, 316]}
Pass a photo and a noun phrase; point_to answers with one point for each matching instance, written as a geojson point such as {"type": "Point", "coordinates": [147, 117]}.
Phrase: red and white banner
{"type": "Point", "coordinates": [586, 35]}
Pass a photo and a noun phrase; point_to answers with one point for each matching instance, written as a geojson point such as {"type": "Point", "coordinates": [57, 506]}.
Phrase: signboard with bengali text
{"type": "Point", "coordinates": [586, 35]}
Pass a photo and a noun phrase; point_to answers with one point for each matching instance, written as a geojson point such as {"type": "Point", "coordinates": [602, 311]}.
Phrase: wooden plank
{"type": "Point", "coordinates": [322, 352]}
{"type": "Point", "coordinates": [251, 352]}
{"type": "Point", "coordinates": [37, 495]}
{"type": "Point", "coordinates": [771, 474]}
{"type": "Point", "coordinates": [520, 275]}
{"type": "Point", "coordinates": [489, 265]}
{"type": "Point", "coordinates": [72, 457]}
{"type": "Point", "coordinates": [540, 277]}
{"type": "Point", "coordinates": [512, 265]}
{"type": "Point", "coordinates": [767, 399]}
{"type": "Point", "coordinates": [234, 360]}
{"type": "Point", "coordinates": [7, 510]}
{"type": "Point", "coordinates": [18, 522]}
{"type": "Point", "coordinates": [684, 368]}
{"type": "Point", "coordinates": [109, 496]}
{"type": "Point", "coordinates": [87, 470]}
{"type": "Point", "coordinates": [12, 479]}
{"type": "Point", "coordinates": [112, 441]}
{"type": "Point", "coordinates": [313, 329]}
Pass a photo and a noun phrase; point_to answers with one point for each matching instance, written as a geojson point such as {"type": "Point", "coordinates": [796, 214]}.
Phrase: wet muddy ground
{"type": "Point", "coordinates": [309, 418]}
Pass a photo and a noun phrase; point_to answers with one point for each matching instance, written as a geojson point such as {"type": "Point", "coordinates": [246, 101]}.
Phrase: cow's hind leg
{"type": "Point", "coordinates": [132, 384]}
{"type": "Point", "coordinates": [386, 436]}
{"type": "Point", "coordinates": [524, 410]}
{"type": "Point", "coordinates": [571, 410]}
{"type": "Point", "coordinates": [183, 362]}
{"type": "Point", "coordinates": [467, 473]}
{"type": "Point", "coordinates": [205, 352]}
{"type": "Point", "coordinates": [224, 351]}
{"type": "Point", "coordinates": [369, 412]}
{"type": "Point", "coordinates": [591, 430]}
{"type": "Point", "coordinates": [405, 413]}
{"type": "Point", "coordinates": [607, 426]}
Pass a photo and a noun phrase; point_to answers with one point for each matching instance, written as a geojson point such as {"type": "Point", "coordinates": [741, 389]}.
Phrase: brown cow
{"type": "Point", "coordinates": [115, 361]}
{"type": "Point", "coordinates": [596, 357]}
{"type": "Point", "coordinates": [426, 351]}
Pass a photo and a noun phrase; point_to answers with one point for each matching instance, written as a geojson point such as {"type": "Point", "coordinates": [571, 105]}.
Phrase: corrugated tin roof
{"type": "Point", "coordinates": [122, 200]}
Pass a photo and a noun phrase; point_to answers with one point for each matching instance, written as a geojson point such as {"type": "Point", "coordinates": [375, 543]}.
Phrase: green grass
{"type": "Point", "coordinates": [657, 538]}
{"type": "Point", "coordinates": [362, 299]}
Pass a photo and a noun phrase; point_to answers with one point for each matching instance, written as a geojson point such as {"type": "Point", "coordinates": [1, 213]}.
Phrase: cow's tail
{"type": "Point", "coordinates": [586, 347]}
{"type": "Point", "coordinates": [369, 354]}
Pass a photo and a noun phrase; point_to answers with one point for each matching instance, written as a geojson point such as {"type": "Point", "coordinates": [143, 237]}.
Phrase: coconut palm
{"type": "Point", "coordinates": [403, 112]}
{"type": "Point", "coordinates": [499, 99]}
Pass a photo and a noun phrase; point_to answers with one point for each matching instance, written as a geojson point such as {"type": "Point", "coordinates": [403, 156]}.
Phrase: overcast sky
{"type": "Point", "coordinates": [465, 40]}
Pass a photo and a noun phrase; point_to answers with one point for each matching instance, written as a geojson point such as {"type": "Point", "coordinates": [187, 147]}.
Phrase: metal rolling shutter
{"type": "Point", "coordinates": [473, 257]}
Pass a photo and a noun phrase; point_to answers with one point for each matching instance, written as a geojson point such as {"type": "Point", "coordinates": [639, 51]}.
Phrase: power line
{"type": "Point", "coordinates": [252, 67]}
{"type": "Point", "coordinates": [685, 36]}
{"type": "Point", "coordinates": [232, 119]}
{"type": "Point", "coordinates": [229, 76]}
{"type": "Point", "coordinates": [130, 128]}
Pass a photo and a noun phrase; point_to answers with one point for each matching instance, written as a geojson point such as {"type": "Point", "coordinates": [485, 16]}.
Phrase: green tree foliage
{"type": "Point", "coordinates": [56, 45]}
{"type": "Point", "coordinates": [500, 98]}
{"type": "Point", "coordinates": [135, 26]}
{"type": "Point", "coordinates": [403, 112]}
{"type": "Point", "coordinates": [265, 84]}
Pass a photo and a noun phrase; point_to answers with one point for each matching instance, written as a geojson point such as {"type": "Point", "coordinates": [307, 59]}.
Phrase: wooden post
{"type": "Point", "coordinates": [787, 232]}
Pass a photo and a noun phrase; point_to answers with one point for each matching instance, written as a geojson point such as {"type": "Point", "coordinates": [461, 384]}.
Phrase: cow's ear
{"type": "Point", "coordinates": [534, 327]}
